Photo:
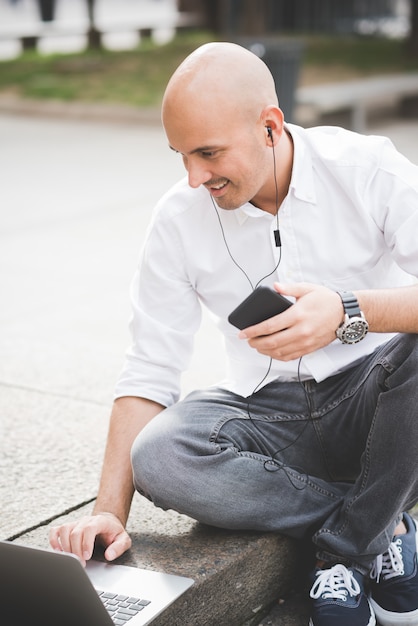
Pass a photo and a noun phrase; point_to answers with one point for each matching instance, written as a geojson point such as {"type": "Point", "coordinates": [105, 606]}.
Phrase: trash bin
{"type": "Point", "coordinates": [283, 57]}
{"type": "Point", "coordinates": [47, 10]}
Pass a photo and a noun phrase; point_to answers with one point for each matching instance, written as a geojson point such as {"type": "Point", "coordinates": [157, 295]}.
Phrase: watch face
{"type": "Point", "coordinates": [355, 331]}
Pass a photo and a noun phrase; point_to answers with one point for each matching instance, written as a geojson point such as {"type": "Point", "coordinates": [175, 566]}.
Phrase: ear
{"type": "Point", "coordinates": [272, 120]}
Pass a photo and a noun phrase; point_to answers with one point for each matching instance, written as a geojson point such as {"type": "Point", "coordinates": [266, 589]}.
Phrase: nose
{"type": "Point", "coordinates": [198, 172]}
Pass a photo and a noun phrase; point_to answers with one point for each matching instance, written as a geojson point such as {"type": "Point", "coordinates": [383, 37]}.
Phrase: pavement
{"type": "Point", "coordinates": [75, 199]}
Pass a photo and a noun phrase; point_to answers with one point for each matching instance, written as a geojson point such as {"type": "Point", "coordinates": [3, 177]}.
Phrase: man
{"type": "Point", "coordinates": [314, 432]}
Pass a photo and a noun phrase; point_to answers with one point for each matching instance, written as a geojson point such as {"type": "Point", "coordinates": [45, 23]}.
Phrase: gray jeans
{"type": "Point", "coordinates": [335, 461]}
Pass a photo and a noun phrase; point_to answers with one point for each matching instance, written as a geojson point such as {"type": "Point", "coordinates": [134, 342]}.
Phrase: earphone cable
{"type": "Point", "coordinates": [271, 464]}
{"type": "Point", "coordinates": [276, 186]}
{"type": "Point", "coordinates": [253, 287]}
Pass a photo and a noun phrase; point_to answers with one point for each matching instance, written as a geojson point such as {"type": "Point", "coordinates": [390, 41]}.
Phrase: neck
{"type": "Point", "coordinates": [276, 190]}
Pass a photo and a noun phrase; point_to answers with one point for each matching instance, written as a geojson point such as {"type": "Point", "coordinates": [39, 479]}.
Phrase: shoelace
{"type": "Point", "coordinates": [336, 583]}
{"type": "Point", "coordinates": [389, 564]}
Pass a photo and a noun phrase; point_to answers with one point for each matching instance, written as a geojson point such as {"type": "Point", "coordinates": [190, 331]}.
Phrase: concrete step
{"type": "Point", "coordinates": [239, 576]}
{"type": "Point", "coordinates": [294, 611]}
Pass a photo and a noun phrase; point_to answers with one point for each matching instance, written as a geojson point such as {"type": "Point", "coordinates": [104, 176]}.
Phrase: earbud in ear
{"type": "Point", "coordinates": [270, 133]}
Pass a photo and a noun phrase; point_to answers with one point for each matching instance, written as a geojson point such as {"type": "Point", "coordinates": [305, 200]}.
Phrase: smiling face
{"type": "Point", "coordinates": [215, 115]}
{"type": "Point", "coordinates": [229, 160]}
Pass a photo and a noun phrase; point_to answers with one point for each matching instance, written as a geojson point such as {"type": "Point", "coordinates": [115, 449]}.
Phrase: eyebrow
{"type": "Point", "coordinates": [201, 149]}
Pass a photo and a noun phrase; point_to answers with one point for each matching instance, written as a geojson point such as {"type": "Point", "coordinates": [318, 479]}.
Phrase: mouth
{"type": "Point", "coordinates": [217, 189]}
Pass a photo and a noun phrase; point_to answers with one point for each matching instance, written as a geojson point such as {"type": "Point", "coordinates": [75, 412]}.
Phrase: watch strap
{"type": "Point", "coordinates": [350, 303]}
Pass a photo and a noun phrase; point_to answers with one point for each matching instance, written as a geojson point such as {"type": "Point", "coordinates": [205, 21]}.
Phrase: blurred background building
{"type": "Point", "coordinates": [389, 17]}
{"type": "Point", "coordinates": [118, 23]}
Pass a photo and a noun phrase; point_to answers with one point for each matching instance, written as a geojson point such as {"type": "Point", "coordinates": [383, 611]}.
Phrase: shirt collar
{"type": "Point", "coordinates": [249, 210]}
{"type": "Point", "coordinates": [301, 183]}
{"type": "Point", "coordinates": [302, 180]}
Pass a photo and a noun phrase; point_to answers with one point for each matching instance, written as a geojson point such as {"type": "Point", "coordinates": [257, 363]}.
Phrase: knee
{"type": "Point", "coordinates": [170, 464]}
{"type": "Point", "coordinates": [162, 457]}
{"type": "Point", "coordinates": [149, 458]}
{"type": "Point", "coordinates": [405, 356]}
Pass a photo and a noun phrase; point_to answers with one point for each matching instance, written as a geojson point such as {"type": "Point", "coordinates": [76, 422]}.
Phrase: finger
{"type": "Point", "coordinates": [79, 537]}
{"type": "Point", "coordinates": [87, 539]}
{"type": "Point", "coordinates": [107, 529]}
{"type": "Point", "coordinates": [54, 541]}
{"type": "Point", "coordinates": [75, 537]}
{"type": "Point", "coordinates": [72, 539]}
{"type": "Point", "coordinates": [62, 535]}
{"type": "Point", "coordinates": [296, 290]}
{"type": "Point", "coordinates": [118, 546]}
{"type": "Point", "coordinates": [271, 345]}
{"type": "Point", "coordinates": [83, 535]}
{"type": "Point", "coordinates": [272, 325]}
{"type": "Point", "coordinates": [285, 347]}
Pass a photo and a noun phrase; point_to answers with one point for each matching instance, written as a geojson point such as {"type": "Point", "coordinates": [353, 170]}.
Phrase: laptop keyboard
{"type": "Point", "coordinates": [121, 608]}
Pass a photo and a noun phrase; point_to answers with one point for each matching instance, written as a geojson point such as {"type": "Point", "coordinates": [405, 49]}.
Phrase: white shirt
{"type": "Point", "coordinates": [349, 221]}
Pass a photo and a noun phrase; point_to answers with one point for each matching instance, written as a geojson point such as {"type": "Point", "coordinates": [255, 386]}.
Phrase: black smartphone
{"type": "Point", "coordinates": [261, 304]}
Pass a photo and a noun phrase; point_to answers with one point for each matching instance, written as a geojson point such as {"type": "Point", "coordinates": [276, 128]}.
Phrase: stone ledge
{"type": "Point", "coordinates": [238, 575]}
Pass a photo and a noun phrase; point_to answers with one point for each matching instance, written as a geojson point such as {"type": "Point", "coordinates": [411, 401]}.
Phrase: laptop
{"type": "Point", "coordinates": [46, 588]}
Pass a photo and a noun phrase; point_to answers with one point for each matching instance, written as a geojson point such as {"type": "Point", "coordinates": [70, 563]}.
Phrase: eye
{"type": "Point", "coordinates": [208, 154]}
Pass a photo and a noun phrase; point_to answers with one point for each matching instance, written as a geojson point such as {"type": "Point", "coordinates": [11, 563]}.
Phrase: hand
{"type": "Point", "coordinates": [306, 326]}
{"type": "Point", "coordinates": [79, 537]}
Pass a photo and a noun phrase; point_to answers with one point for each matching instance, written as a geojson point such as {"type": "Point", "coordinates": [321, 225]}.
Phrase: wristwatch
{"type": "Point", "coordinates": [354, 327]}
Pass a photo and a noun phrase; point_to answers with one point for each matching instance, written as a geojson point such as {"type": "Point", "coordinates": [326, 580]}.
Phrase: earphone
{"type": "Point", "coordinates": [277, 238]}
{"type": "Point", "coordinates": [276, 232]}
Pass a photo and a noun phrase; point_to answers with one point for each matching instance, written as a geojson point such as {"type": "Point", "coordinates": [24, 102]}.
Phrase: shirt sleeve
{"type": "Point", "coordinates": [166, 315]}
{"type": "Point", "coordinates": [395, 186]}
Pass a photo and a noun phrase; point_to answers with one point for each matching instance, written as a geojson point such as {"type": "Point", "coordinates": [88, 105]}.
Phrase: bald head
{"type": "Point", "coordinates": [220, 76]}
{"type": "Point", "coordinates": [220, 112]}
